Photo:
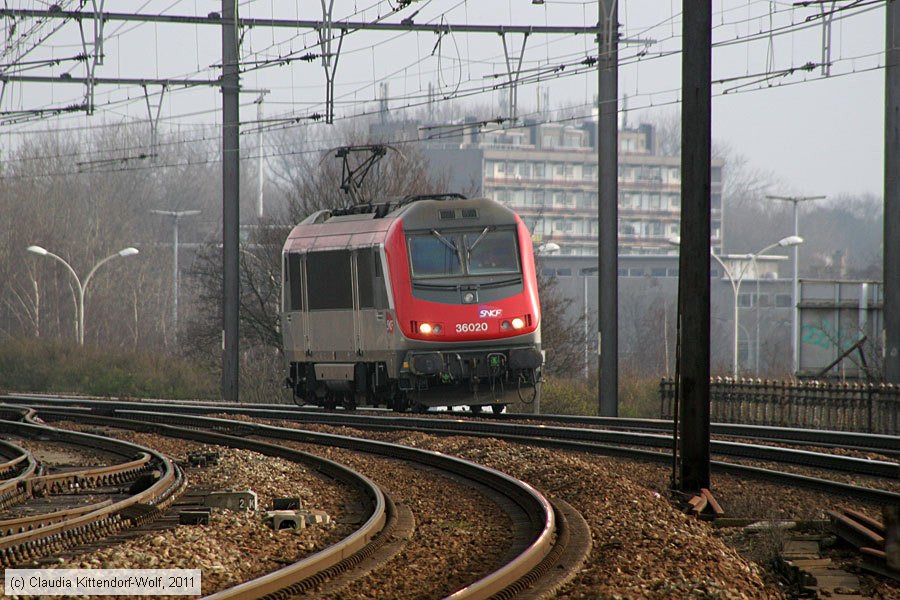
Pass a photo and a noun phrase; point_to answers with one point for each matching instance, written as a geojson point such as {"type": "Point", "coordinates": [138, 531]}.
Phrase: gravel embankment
{"type": "Point", "coordinates": [643, 546]}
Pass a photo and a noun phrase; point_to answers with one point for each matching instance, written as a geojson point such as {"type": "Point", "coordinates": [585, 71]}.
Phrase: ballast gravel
{"type": "Point", "coordinates": [643, 546]}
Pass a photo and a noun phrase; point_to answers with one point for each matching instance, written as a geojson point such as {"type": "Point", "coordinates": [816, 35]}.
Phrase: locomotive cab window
{"type": "Point", "coordinates": [434, 255]}
{"type": "Point", "coordinates": [492, 251]}
{"type": "Point", "coordinates": [450, 253]}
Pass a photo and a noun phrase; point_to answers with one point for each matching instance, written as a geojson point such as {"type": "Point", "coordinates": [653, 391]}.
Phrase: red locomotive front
{"type": "Point", "coordinates": [458, 322]}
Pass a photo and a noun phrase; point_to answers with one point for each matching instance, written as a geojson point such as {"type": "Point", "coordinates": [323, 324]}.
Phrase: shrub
{"type": "Point", "coordinates": [30, 365]}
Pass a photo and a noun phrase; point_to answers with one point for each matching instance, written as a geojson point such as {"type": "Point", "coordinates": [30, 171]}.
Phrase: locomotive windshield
{"type": "Point", "coordinates": [454, 253]}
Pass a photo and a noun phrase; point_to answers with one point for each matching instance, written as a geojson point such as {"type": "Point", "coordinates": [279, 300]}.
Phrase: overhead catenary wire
{"type": "Point", "coordinates": [412, 100]}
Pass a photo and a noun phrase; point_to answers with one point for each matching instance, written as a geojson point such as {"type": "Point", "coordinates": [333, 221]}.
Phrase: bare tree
{"type": "Point", "coordinates": [561, 333]}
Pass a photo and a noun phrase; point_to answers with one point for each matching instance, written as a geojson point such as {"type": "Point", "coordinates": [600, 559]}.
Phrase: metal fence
{"type": "Point", "coordinates": [869, 408]}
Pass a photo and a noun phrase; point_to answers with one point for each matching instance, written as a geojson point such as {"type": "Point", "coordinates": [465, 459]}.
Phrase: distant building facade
{"type": "Point", "coordinates": [547, 172]}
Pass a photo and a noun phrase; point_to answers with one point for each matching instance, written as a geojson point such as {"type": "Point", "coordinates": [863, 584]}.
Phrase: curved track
{"type": "Point", "coordinates": [28, 538]}
{"type": "Point", "coordinates": [589, 439]}
{"type": "Point", "coordinates": [542, 530]}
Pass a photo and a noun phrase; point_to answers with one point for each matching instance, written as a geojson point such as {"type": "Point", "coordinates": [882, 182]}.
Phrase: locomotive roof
{"type": "Point", "coordinates": [324, 231]}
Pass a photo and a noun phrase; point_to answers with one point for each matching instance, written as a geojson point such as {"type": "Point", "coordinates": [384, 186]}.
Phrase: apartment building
{"type": "Point", "coordinates": [547, 172]}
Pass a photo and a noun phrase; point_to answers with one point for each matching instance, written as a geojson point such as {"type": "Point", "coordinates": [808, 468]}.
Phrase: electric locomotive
{"type": "Point", "coordinates": [413, 303]}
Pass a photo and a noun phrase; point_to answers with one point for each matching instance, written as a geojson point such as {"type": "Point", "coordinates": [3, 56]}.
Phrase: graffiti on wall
{"type": "Point", "coordinates": [826, 336]}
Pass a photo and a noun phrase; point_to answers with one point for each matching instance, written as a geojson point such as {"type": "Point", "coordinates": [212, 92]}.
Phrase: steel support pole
{"type": "Point", "coordinates": [608, 174]}
{"type": "Point", "coordinates": [175, 280]}
{"type": "Point", "coordinates": [230, 202]}
{"type": "Point", "coordinates": [795, 297]}
{"type": "Point", "coordinates": [694, 258]}
{"type": "Point", "coordinates": [891, 258]}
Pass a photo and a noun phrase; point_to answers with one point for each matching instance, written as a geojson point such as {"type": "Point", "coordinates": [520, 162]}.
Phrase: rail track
{"type": "Point", "coordinates": [26, 539]}
{"type": "Point", "coordinates": [546, 536]}
{"type": "Point", "coordinates": [634, 438]}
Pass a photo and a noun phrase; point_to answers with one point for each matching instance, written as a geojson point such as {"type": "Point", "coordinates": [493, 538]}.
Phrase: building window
{"type": "Point", "coordinates": [539, 170]}
{"type": "Point", "coordinates": [783, 300]}
{"type": "Point", "coordinates": [563, 225]}
{"type": "Point", "coordinates": [635, 272]}
{"type": "Point", "coordinates": [674, 175]}
{"type": "Point", "coordinates": [658, 272]}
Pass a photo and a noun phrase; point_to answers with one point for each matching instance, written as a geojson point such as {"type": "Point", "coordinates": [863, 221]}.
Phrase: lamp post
{"type": "Point", "coordinates": [736, 280]}
{"type": "Point", "coordinates": [795, 285]}
{"type": "Point", "coordinates": [585, 273]}
{"type": "Point", "coordinates": [82, 287]}
{"type": "Point", "coordinates": [175, 215]}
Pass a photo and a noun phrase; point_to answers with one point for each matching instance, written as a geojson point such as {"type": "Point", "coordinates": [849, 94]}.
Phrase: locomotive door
{"type": "Point", "coordinates": [372, 323]}
{"type": "Point", "coordinates": [331, 334]}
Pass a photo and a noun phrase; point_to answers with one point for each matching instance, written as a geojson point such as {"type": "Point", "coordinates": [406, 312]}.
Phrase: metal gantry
{"type": "Point", "coordinates": [230, 22]}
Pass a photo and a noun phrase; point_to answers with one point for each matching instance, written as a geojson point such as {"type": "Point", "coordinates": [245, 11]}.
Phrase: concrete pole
{"type": "Point", "coordinates": [230, 202]}
{"type": "Point", "coordinates": [891, 260]}
{"type": "Point", "coordinates": [608, 180]}
{"type": "Point", "coordinates": [694, 258]}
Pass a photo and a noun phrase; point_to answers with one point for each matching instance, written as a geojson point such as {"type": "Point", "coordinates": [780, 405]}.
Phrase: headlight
{"type": "Point", "coordinates": [518, 323]}
{"type": "Point", "coordinates": [429, 328]}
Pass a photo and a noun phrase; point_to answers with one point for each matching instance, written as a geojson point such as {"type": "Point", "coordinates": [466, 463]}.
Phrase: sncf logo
{"type": "Point", "coordinates": [486, 311]}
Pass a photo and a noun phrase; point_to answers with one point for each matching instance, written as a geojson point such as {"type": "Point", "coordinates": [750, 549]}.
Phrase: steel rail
{"type": "Point", "coordinates": [536, 508]}
{"type": "Point", "coordinates": [105, 519]}
{"type": "Point", "coordinates": [11, 526]}
{"type": "Point", "coordinates": [95, 476]}
{"type": "Point", "coordinates": [444, 426]}
{"type": "Point", "coordinates": [791, 479]}
{"type": "Point", "coordinates": [17, 473]}
{"type": "Point", "coordinates": [298, 576]}
{"type": "Point", "coordinates": [815, 437]}
{"type": "Point", "coordinates": [289, 413]}
{"type": "Point", "coordinates": [889, 445]}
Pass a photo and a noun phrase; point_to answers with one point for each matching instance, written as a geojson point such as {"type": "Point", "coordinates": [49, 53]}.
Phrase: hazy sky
{"type": "Point", "coordinates": [817, 134]}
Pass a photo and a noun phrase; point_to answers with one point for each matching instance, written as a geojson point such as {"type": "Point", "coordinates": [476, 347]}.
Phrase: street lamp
{"type": "Point", "coordinates": [547, 248]}
{"type": "Point", "coordinates": [82, 287]}
{"type": "Point", "coordinates": [791, 240]}
{"type": "Point", "coordinates": [795, 286]}
{"type": "Point", "coordinates": [176, 215]}
{"type": "Point", "coordinates": [587, 271]}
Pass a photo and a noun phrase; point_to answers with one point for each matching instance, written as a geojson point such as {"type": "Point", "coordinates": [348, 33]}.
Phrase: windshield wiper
{"type": "Point", "coordinates": [479, 238]}
{"type": "Point", "coordinates": [445, 241]}
{"type": "Point", "coordinates": [449, 244]}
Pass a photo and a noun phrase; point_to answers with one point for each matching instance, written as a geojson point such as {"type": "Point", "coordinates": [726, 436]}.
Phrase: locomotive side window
{"type": "Point", "coordinates": [292, 269]}
{"type": "Point", "coordinates": [434, 255]}
{"type": "Point", "coordinates": [330, 270]}
{"type": "Point", "coordinates": [372, 293]}
{"type": "Point", "coordinates": [492, 252]}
